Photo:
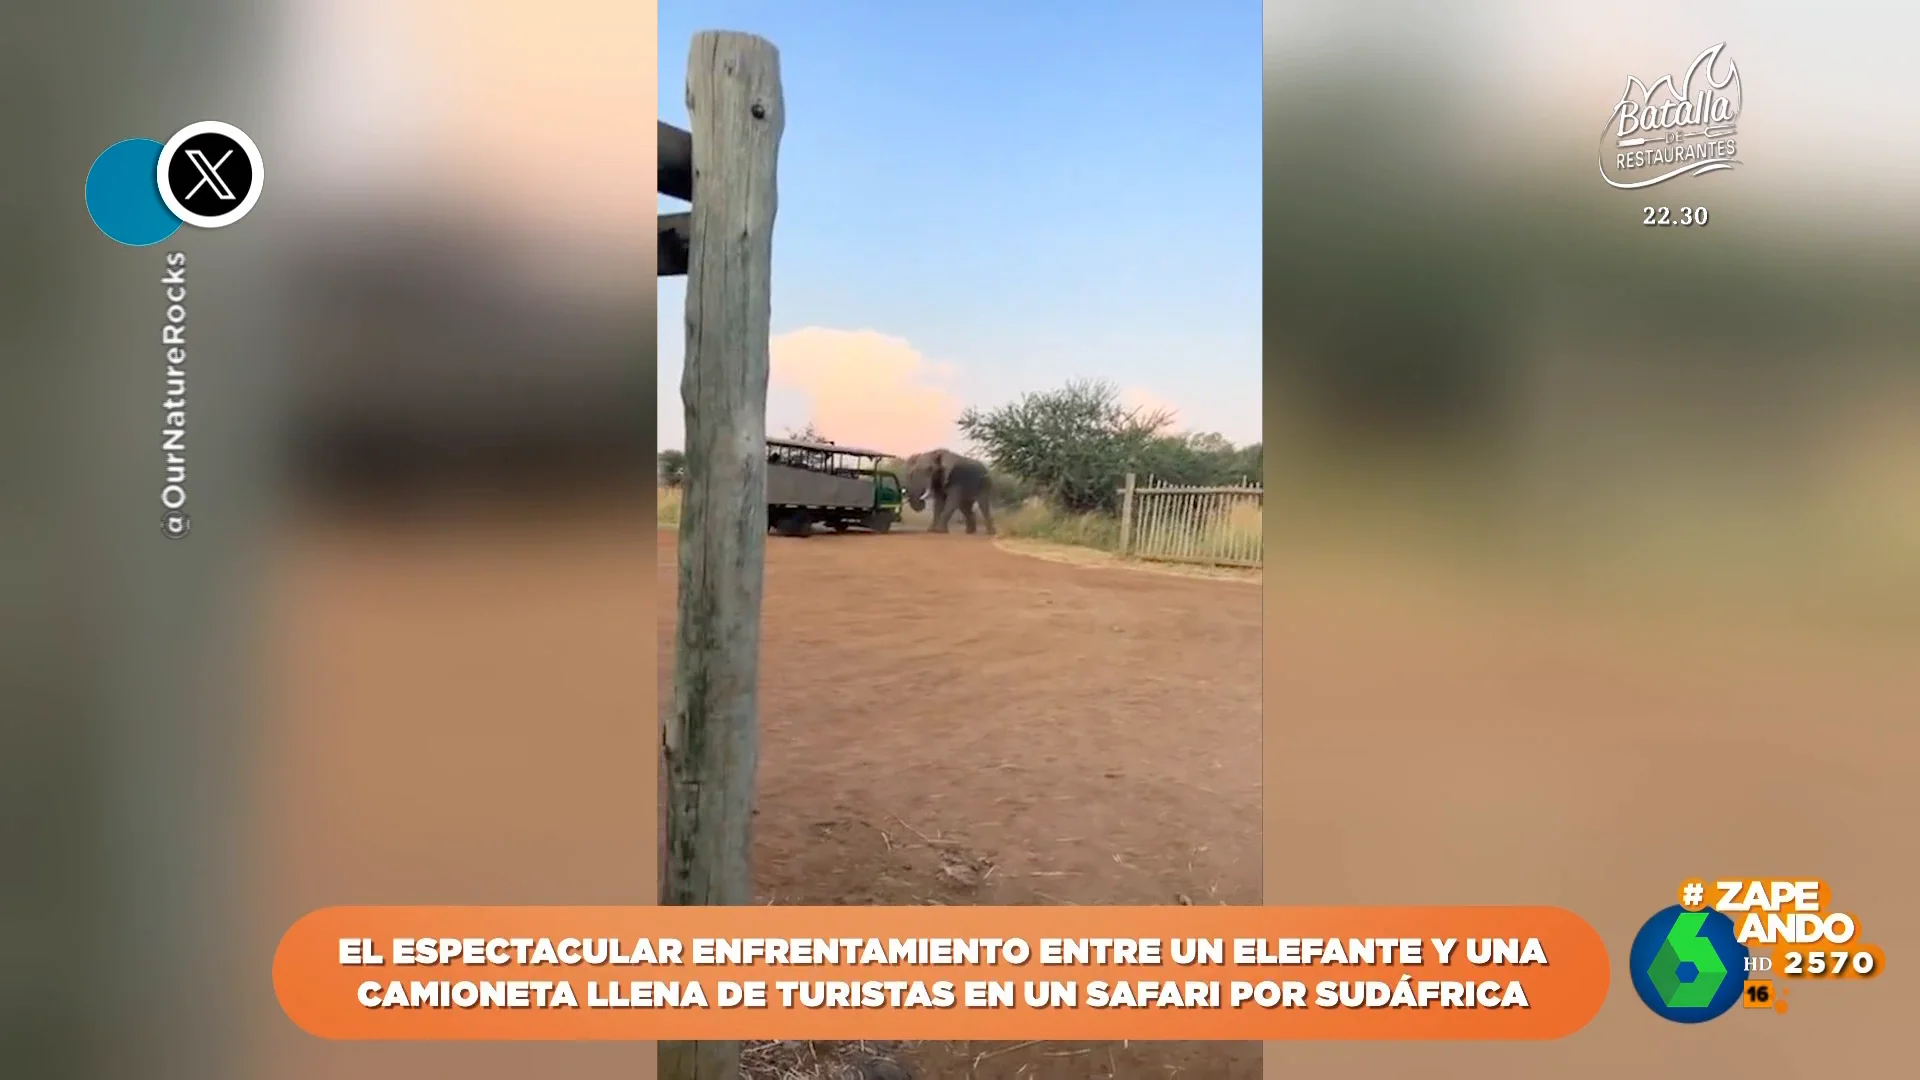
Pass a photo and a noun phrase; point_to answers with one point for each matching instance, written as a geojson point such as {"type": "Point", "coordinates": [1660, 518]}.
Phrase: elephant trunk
{"type": "Point", "coordinates": [916, 488]}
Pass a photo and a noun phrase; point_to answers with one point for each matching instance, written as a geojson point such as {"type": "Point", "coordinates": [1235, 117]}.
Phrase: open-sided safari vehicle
{"type": "Point", "coordinates": [841, 487]}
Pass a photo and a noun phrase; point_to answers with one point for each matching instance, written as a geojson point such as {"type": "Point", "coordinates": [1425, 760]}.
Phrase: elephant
{"type": "Point", "coordinates": [956, 482]}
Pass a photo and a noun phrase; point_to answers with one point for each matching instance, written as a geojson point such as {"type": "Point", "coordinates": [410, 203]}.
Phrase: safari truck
{"type": "Point", "coordinates": [840, 487]}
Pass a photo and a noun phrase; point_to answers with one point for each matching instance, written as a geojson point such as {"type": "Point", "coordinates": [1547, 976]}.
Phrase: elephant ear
{"type": "Point", "coordinates": [941, 462]}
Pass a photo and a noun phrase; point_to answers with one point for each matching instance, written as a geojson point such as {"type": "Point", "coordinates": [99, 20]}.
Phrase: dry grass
{"type": "Point", "coordinates": [667, 507]}
{"type": "Point", "coordinates": [1038, 521]}
{"type": "Point", "coordinates": [1245, 526]}
{"type": "Point", "coordinates": [1240, 531]}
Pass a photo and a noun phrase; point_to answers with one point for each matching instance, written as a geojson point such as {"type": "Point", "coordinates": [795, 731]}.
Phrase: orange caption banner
{"type": "Point", "coordinates": [1276, 975]}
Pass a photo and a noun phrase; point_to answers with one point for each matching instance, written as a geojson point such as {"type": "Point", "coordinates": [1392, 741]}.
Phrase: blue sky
{"type": "Point", "coordinates": [1024, 193]}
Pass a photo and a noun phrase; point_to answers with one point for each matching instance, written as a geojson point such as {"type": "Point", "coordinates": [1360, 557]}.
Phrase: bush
{"type": "Point", "coordinates": [1071, 446]}
{"type": "Point", "coordinates": [1010, 492]}
{"type": "Point", "coordinates": [1074, 447]}
{"type": "Point", "coordinates": [1037, 521]}
{"type": "Point", "coordinates": [672, 468]}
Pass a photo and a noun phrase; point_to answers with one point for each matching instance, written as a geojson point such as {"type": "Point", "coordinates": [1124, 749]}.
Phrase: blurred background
{"type": "Point", "coordinates": [406, 654]}
{"type": "Point", "coordinates": [1594, 548]}
{"type": "Point", "coordinates": [1460, 312]}
{"type": "Point", "coordinates": [1562, 503]}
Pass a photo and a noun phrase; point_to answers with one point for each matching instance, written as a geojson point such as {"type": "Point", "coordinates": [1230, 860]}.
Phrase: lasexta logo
{"type": "Point", "coordinates": [1684, 948]}
{"type": "Point", "coordinates": [1685, 964]}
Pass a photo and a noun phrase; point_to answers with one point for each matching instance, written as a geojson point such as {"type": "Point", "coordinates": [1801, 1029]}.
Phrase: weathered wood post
{"type": "Point", "coordinates": [738, 115]}
{"type": "Point", "coordinates": [1126, 514]}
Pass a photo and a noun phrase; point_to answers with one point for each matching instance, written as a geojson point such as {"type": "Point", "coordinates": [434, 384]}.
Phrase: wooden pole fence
{"type": "Point", "coordinates": [1203, 525]}
{"type": "Point", "coordinates": [728, 164]}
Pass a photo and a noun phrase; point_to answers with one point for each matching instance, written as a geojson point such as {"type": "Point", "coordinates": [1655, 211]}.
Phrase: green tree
{"type": "Point", "coordinates": [673, 467]}
{"type": "Point", "coordinates": [1202, 460]}
{"type": "Point", "coordinates": [1250, 462]}
{"type": "Point", "coordinates": [1211, 443]}
{"type": "Point", "coordinates": [1072, 446]}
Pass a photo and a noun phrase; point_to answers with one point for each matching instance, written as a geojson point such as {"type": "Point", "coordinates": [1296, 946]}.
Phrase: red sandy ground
{"type": "Point", "coordinates": [456, 714]}
{"type": "Point", "coordinates": [456, 719]}
{"type": "Point", "coordinates": [946, 722]}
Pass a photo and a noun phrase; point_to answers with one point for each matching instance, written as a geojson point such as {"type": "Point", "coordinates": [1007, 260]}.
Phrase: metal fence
{"type": "Point", "coordinates": [1216, 526]}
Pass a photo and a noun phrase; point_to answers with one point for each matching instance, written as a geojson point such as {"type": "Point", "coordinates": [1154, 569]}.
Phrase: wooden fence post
{"type": "Point", "coordinates": [738, 115]}
{"type": "Point", "coordinates": [1126, 514]}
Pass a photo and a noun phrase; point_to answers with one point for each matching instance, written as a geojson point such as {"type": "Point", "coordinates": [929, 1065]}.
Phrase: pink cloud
{"type": "Point", "coordinates": [865, 388]}
{"type": "Point", "coordinates": [1135, 397]}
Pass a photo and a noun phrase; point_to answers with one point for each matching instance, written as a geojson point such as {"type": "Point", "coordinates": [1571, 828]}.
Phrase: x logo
{"type": "Point", "coordinates": [209, 175]}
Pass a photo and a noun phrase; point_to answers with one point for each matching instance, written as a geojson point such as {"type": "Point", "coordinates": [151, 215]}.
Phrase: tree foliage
{"type": "Point", "coordinates": [673, 468]}
{"type": "Point", "coordinates": [1074, 446]}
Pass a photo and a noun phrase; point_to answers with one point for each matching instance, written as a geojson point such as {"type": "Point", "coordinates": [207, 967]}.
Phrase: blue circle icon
{"type": "Point", "coordinates": [1688, 966]}
{"type": "Point", "coordinates": [123, 195]}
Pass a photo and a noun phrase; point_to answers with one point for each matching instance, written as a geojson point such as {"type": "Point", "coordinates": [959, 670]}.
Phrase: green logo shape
{"type": "Point", "coordinates": [1685, 945]}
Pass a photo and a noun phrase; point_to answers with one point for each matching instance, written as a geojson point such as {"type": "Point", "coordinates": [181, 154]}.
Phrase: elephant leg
{"type": "Point", "coordinates": [966, 511]}
{"type": "Point", "coordinates": [942, 513]}
{"type": "Point", "coordinates": [987, 513]}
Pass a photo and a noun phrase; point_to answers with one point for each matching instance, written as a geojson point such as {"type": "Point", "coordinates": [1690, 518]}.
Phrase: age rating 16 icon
{"type": "Point", "coordinates": [208, 174]}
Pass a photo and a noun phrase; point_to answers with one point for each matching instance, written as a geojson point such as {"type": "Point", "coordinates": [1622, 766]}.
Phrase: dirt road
{"type": "Point", "coordinates": [456, 714]}
{"type": "Point", "coordinates": [944, 721]}
{"type": "Point", "coordinates": [459, 716]}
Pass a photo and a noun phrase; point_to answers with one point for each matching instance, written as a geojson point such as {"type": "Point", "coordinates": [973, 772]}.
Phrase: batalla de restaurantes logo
{"type": "Point", "coordinates": [1674, 128]}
